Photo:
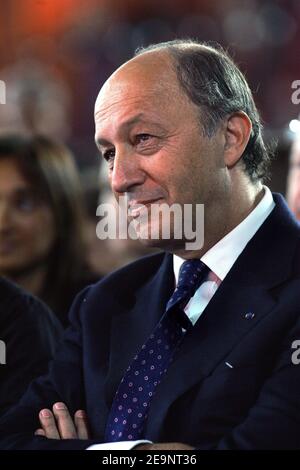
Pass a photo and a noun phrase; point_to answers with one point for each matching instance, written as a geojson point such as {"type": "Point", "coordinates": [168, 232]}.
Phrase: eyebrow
{"type": "Point", "coordinates": [138, 118]}
{"type": "Point", "coordinates": [26, 191]}
{"type": "Point", "coordinates": [21, 191]}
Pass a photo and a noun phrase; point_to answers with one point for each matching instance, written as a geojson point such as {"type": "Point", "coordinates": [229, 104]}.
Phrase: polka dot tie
{"type": "Point", "coordinates": [131, 403]}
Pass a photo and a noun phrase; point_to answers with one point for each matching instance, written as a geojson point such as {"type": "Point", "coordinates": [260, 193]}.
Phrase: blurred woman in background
{"type": "Point", "coordinates": [42, 221]}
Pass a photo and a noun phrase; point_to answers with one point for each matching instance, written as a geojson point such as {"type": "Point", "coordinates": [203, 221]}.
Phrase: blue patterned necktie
{"type": "Point", "coordinates": [131, 403]}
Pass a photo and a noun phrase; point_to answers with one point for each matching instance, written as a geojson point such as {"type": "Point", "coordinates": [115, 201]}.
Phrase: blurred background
{"type": "Point", "coordinates": [56, 54]}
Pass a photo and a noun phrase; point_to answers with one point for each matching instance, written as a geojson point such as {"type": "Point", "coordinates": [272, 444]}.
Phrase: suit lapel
{"type": "Point", "coordinates": [247, 289]}
{"type": "Point", "coordinates": [133, 326]}
{"type": "Point", "coordinates": [220, 328]}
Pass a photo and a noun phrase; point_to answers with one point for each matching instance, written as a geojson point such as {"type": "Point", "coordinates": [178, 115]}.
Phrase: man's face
{"type": "Point", "coordinates": [148, 131]}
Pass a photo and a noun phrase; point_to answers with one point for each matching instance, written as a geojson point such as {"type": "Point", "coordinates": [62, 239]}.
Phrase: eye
{"type": "Point", "coordinates": [109, 154]}
{"type": "Point", "coordinates": [143, 138]}
{"type": "Point", "coordinates": [26, 204]}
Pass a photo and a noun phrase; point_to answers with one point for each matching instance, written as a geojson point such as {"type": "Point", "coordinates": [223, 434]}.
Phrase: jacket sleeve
{"type": "Point", "coordinates": [64, 382]}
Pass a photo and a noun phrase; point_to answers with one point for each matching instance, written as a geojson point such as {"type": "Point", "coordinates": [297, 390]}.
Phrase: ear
{"type": "Point", "coordinates": [237, 133]}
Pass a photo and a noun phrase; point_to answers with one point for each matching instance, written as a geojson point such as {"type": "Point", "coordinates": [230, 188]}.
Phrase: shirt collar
{"type": "Point", "coordinates": [221, 257]}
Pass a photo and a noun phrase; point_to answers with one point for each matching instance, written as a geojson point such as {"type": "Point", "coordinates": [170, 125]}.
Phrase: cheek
{"type": "Point", "coordinates": [40, 229]}
{"type": "Point", "coordinates": [48, 227]}
{"type": "Point", "coordinates": [183, 184]}
{"type": "Point", "coordinates": [180, 168]}
{"type": "Point", "coordinates": [166, 171]}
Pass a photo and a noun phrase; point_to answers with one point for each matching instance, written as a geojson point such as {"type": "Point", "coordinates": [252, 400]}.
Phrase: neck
{"type": "Point", "coordinates": [233, 211]}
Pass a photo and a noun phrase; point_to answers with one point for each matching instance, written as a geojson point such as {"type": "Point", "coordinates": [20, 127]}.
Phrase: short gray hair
{"type": "Point", "coordinates": [215, 84]}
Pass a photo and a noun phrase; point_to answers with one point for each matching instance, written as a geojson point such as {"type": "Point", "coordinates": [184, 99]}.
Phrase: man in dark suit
{"type": "Point", "coordinates": [210, 365]}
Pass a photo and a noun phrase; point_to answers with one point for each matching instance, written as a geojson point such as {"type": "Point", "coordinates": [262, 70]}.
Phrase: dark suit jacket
{"type": "Point", "coordinates": [31, 335]}
{"type": "Point", "coordinates": [254, 403]}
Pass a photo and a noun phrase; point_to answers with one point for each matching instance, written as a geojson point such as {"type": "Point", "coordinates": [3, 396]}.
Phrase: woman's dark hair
{"type": "Point", "coordinates": [50, 169]}
{"type": "Point", "coordinates": [215, 84]}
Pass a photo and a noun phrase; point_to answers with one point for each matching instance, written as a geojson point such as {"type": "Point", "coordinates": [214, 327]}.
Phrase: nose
{"type": "Point", "coordinates": [127, 171]}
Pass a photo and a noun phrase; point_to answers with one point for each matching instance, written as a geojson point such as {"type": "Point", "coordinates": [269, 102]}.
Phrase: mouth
{"type": "Point", "coordinates": [136, 207]}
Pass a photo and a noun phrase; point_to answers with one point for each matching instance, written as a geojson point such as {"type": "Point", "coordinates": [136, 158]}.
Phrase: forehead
{"type": "Point", "coordinates": [9, 165]}
{"type": "Point", "coordinates": [144, 88]}
{"type": "Point", "coordinates": [12, 179]}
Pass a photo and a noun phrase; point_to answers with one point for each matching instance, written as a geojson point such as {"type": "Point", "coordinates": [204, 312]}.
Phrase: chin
{"type": "Point", "coordinates": [152, 237]}
{"type": "Point", "coordinates": [169, 245]}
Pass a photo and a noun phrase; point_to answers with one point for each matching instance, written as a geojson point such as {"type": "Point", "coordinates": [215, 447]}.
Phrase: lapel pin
{"type": "Point", "coordinates": [249, 315]}
{"type": "Point", "coordinates": [229, 365]}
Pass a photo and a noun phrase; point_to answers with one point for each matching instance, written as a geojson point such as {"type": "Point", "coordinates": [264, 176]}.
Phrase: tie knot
{"type": "Point", "coordinates": [191, 275]}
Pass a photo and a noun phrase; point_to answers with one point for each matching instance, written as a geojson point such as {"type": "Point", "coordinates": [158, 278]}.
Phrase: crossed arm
{"type": "Point", "coordinates": [58, 424]}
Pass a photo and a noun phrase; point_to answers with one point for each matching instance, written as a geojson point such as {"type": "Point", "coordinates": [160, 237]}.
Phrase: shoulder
{"type": "Point", "coordinates": [19, 309]}
{"type": "Point", "coordinates": [131, 276]}
{"type": "Point", "coordinates": [117, 288]}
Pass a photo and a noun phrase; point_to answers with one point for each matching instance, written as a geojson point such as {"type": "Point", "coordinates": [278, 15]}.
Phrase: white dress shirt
{"type": "Point", "coordinates": [219, 259]}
